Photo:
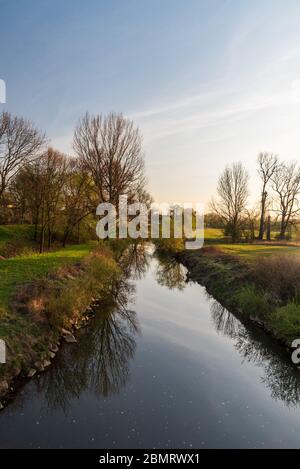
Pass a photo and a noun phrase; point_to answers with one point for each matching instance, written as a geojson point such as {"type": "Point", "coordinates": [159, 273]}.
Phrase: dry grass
{"type": "Point", "coordinates": [280, 275]}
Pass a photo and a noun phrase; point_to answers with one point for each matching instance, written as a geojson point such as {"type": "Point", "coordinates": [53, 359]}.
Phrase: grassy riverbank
{"type": "Point", "coordinates": [259, 281]}
{"type": "Point", "coordinates": [43, 294]}
{"type": "Point", "coordinates": [267, 290]}
{"type": "Point", "coordinates": [26, 267]}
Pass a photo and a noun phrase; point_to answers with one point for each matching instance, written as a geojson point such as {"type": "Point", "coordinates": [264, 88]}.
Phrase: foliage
{"type": "Point", "coordinates": [99, 272]}
{"type": "Point", "coordinates": [253, 301]}
{"type": "Point", "coordinates": [280, 275]}
{"type": "Point", "coordinates": [286, 321]}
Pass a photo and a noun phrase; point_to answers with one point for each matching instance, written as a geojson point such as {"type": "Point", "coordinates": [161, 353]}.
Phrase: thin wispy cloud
{"type": "Point", "coordinates": [211, 109]}
{"type": "Point", "coordinates": [207, 86]}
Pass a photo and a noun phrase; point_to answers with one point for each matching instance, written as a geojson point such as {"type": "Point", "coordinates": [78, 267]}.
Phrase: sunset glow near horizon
{"type": "Point", "coordinates": [208, 83]}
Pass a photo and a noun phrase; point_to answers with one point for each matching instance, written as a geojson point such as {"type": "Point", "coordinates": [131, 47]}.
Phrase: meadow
{"type": "Point", "coordinates": [250, 251]}
{"type": "Point", "coordinates": [30, 265]}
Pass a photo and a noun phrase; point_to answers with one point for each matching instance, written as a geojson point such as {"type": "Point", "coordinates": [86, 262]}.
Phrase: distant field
{"type": "Point", "coordinates": [214, 235]}
{"type": "Point", "coordinates": [248, 250]}
{"type": "Point", "coordinates": [254, 250]}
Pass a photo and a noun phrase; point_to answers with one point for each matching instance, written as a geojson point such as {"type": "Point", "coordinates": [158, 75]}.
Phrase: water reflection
{"type": "Point", "coordinates": [136, 260]}
{"type": "Point", "coordinates": [223, 320]}
{"type": "Point", "coordinates": [279, 375]}
{"type": "Point", "coordinates": [101, 363]}
{"type": "Point", "coordinates": [169, 273]}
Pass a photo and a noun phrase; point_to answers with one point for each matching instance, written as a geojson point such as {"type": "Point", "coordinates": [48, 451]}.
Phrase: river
{"type": "Point", "coordinates": [162, 365]}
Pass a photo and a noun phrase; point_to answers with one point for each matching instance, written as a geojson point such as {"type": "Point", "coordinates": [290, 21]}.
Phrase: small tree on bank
{"type": "Point", "coordinates": [20, 142]}
{"type": "Point", "coordinates": [232, 197]}
{"type": "Point", "coordinates": [286, 185]}
{"type": "Point", "coordinates": [267, 167]}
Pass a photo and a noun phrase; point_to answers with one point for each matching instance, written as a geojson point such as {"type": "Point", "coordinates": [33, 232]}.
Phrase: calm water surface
{"type": "Point", "coordinates": [161, 366]}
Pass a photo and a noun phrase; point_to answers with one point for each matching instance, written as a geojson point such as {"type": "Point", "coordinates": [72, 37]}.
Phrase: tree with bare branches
{"type": "Point", "coordinates": [78, 198]}
{"type": "Point", "coordinates": [53, 174]}
{"type": "Point", "coordinates": [232, 198]}
{"type": "Point", "coordinates": [20, 142]}
{"type": "Point", "coordinates": [286, 184]}
{"type": "Point", "coordinates": [267, 166]}
{"type": "Point", "coordinates": [110, 148]}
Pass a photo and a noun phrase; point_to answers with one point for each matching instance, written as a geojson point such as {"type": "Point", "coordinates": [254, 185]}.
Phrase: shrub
{"type": "Point", "coordinates": [280, 275]}
{"type": "Point", "coordinates": [253, 302]}
{"type": "Point", "coordinates": [60, 307]}
{"type": "Point", "coordinates": [65, 295]}
{"type": "Point", "coordinates": [169, 245]}
{"type": "Point", "coordinates": [72, 298]}
{"type": "Point", "coordinates": [286, 320]}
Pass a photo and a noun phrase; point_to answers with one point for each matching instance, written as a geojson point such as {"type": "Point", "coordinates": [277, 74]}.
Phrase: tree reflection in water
{"type": "Point", "coordinates": [279, 374]}
{"type": "Point", "coordinates": [135, 261]}
{"type": "Point", "coordinates": [170, 273]}
{"type": "Point", "coordinates": [101, 360]}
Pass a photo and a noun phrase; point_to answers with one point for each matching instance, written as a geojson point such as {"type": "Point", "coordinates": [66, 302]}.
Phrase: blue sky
{"type": "Point", "coordinates": [209, 82]}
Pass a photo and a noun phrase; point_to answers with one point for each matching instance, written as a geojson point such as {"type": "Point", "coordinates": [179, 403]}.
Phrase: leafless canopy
{"type": "Point", "coordinates": [286, 184]}
{"type": "Point", "coordinates": [110, 148]}
{"type": "Point", "coordinates": [232, 198]}
{"type": "Point", "coordinates": [20, 142]}
{"type": "Point", "coordinates": [267, 166]}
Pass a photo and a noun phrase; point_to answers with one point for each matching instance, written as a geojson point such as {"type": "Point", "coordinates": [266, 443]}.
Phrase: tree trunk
{"type": "Point", "coordinates": [269, 229]}
{"type": "Point", "coordinates": [66, 235]}
{"type": "Point", "coordinates": [36, 223]}
{"type": "Point", "coordinates": [42, 240]}
{"type": "Point", "coordinates": [49, 238]}
{"type": "Point", "coordinates": [262, 216]}
{"type": "Point", "coordinates": [283, 227]}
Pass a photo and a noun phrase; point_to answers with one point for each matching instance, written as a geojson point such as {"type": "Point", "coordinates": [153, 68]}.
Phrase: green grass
{"type": "Point", "coordinates": [286, 321]}
{"type": "Point", "coordinates": [214, 236]}
{"type": "Point", "coordinates": [252, 251]}
{"type": "Point", "coordinates": [25, 268]}
{"type": "Point", "coordinates": [15, 234]}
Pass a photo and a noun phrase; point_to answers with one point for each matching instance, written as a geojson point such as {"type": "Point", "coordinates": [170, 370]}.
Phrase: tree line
{"type": "Point", "coordinates": [58, 193]}
{"type": "Point", "coordinates": [279, 199]}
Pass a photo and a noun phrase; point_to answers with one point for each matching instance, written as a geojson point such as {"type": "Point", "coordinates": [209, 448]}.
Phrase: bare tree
{"type": "Point", "coordinates": [54, 170]}
{"type": "Point", "coordinates": [20, 142]}
{"type": "Point", "coordinates": [268, 164]}
{"type": "Point", "coordinates": [110, 148]}
{"type": "Point", "coordinates": [286, 184]}
{"type": "Point", "coordinates": [78, 198]}
{"type": "Point", "coordinates": [232, 198]}
{"type": "Point", "coordinates": [268, 227]}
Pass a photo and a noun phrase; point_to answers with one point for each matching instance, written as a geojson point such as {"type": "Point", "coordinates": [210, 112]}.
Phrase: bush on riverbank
{"type": "Point", "coordinates": [67, 299]}
{"type": "Point", "coordinates": [250, 299]}
{"type": "Point", "coordinates": [280, 276]}
{"type": "Point", "coordinates": [285, 321]}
